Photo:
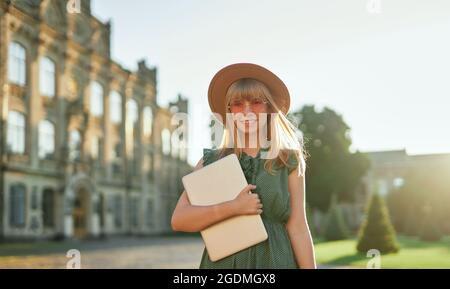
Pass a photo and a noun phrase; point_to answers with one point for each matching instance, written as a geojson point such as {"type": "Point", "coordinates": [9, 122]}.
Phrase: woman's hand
{"type": "Point", "coordinates": [247, 203]}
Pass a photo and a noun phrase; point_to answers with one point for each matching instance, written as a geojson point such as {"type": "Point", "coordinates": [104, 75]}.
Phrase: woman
{"type": "Point", "coordinates": [253, 102]}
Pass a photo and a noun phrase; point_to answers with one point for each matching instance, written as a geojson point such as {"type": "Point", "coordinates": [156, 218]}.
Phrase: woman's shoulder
{"type": "Point", "coordinates": [295, 161]}
{"type": "Point", "coordinates": [212, 154]}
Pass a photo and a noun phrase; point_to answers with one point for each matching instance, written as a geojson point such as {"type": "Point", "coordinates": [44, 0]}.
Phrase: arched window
{"type": "Point", "coordinates": [17, 64]}
{"type": "Point", "coordinates": [16, 132]}
{"type": "Point", "coordinates": [74, 145]}
{"type": "Point", "coordinates": [47, 77]}
{"type": "Point", "coordinates": [46, 141]}
{"type": "Point", "coordinates": [166, 140]}
{"type": "Point", "coordinates": [17, 205]}
{"type": "Point", "coordinates": [115, 107]}
{"type": "Point", "coordinates": [95, 147]}
{"type": "Point", "coordinates": [132, 111]}
{"type": "Point", "coordinates": [148, 120]}
{"type": "Point", "coordinates": [96, 103]}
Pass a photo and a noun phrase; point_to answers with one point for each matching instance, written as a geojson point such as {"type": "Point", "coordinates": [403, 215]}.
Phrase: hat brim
{"type": "Point", "coordinates": [223, 79]}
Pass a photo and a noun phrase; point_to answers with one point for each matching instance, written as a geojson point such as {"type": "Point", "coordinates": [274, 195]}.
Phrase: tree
{"type": "Point", "coordinates": [331, 167]}
{"type": "Point", "coordinates": [377, 231]}
{"type": "Point", "coordinates": [336, 228]}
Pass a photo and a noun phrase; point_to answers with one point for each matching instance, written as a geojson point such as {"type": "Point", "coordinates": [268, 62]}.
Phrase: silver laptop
{"type": "Point", "coordinates": [219, 182]}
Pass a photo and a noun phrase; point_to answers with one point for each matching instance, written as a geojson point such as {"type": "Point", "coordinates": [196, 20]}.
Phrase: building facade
{"type": "Point", "coordinates": [85, 149]}
{"type": "Point", "coordinates": [387, 172]}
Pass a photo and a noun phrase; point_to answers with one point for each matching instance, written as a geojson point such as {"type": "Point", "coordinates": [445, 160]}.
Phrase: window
{"type": "Point", "coordinates": [117, 151]}
{"type": "Point", "coordinates": [148, 120]}
{"type": "Point", "coordinates": [132, 111]}
{"type": "Point", "coordinates": [96, 103]}
{"type": "Point", "coordinates": [48, 203]}
{"type": "Point", "coordinates": [47, 77]}
{"type": "Point", "coordinates": [116, 155]}
{"type": "Point", "coordinates": [95, 147]}
{"type": "Point", "coordinates": [16, 132]}
{"type": "Point", "coordinates": [74, 145]}
{"type": "Point", "coordinates": [166, 139]}
{"type": "Point", "coordinates": [134, 207]}
{"type": "Point", "coordinates": [118, 211]}
{"type": "Point", "coordinates": [17, 64]}
{"type": "Point", "coordinates": [150, 217]}
{"type": "Point", "coordinates": [46, 142]}
{"type": "Point", "coordinates": [17, 205]}
{"type": "Point", "coordinates": [115, 107]}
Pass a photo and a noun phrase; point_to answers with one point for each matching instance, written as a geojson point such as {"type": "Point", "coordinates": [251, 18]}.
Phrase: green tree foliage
{"type": "Point", "coordinates": [331, 167]}
{"type": "Point", "coordinates": [336, 228]}
{"type": "Point", "coordinates": [377, 231]}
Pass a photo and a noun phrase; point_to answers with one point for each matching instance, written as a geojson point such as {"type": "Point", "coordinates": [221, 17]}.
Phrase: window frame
{"type": "Point", "coordinates": [17, 55]}
{"type": "Point", "coordinates": [44, 63]}
{"type": "Point", "coordinates": [44, 138]}
{"type": "Point", "coordinates": [16, 132]}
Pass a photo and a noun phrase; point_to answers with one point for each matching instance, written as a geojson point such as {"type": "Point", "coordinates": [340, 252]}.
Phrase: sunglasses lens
{"type": "Point", "coordinates": [255, 104]}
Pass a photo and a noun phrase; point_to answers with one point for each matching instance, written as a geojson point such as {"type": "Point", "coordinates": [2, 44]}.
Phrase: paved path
{"type": "Point", "coordinates": [113, 253]}
{"type": "Point", "coordinates": [149, 252]}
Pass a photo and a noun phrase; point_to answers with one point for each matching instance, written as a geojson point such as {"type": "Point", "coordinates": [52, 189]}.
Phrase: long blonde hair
{"type": "Point", "coordinates": [284, 137]}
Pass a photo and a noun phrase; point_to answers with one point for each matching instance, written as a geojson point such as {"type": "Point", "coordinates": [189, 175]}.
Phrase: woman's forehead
{"type": "Point", "coordinates": [247, 96]}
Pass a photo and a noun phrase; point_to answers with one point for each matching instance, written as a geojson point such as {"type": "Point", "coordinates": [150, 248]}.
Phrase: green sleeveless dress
{"type": "Point", "coordinates": [276, 251]}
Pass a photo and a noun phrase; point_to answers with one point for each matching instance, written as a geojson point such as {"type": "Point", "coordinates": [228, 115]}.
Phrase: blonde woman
{"type": "Point", "coordinates": [253, 102]}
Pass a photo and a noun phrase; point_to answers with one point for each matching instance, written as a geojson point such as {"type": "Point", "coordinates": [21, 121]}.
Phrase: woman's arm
{"type": "Point", "coordinates": [297, 225]}
{"type": "Point", "coordinates": [189, 218]}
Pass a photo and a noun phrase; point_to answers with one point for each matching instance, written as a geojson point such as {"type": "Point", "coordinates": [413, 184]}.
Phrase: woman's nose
{"type": "Point", "coordinates": [247, 107]}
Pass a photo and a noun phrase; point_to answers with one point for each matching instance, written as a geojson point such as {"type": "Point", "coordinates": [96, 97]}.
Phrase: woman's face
{"type": "Point", "coordinates": [249, 113]}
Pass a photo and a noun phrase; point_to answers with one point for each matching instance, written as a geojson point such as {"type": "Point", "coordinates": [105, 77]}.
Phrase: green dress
{"type": "Point", "coordinates": [276, 251]}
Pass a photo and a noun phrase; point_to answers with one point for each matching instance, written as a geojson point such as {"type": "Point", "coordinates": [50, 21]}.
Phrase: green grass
{"type": "Point", "coordinates": [413, 254]}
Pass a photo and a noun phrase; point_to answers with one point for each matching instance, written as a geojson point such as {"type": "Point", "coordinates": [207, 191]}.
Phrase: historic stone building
{"type": "Point", "coordinates": [387, 172]}
{"type": "Point", "coordinates": [85, 149]}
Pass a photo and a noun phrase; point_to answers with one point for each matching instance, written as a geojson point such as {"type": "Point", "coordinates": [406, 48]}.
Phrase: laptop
{"type": "Point", "coordinates": [219, 182]}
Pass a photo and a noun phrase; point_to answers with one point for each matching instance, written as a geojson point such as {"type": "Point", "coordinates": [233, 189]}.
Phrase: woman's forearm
{"type": "Point", "coordinates": [196, 218]}
{"type": "Point", "coordinates": [303, 247]}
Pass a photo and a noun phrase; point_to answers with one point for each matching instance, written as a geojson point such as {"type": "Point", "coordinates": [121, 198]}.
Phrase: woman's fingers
{"type": "Point", "coordinates": [248, 188]}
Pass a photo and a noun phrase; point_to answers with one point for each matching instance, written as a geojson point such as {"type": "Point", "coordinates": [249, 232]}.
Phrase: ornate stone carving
{"type": "Point", "coordinates": [54, 15]}
{"type": "Point", "coordinates": [82, 32]}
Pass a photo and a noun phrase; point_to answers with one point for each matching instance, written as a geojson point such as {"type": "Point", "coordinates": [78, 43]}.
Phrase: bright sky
{"type": "Point", "coordinates": [387, 73]}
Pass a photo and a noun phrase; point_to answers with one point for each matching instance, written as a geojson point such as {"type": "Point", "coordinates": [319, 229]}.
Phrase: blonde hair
{"type": "Point", "coordinates": [284, 137]}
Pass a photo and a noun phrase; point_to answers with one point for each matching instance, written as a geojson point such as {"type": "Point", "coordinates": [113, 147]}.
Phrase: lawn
{"type": "Point", "coordinates": [413, 254]}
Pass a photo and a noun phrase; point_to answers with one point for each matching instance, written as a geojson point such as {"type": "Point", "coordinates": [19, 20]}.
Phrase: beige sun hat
{"type": "Point", "coordinates": [228, 75]}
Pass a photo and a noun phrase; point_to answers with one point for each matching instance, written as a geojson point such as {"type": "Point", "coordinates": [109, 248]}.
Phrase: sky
{"type": "Point", "coordinates": [385, 69]}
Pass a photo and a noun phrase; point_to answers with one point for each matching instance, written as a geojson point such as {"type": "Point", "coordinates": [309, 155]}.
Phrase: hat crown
{"type": "Point", "coordinates": [226, 76]}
